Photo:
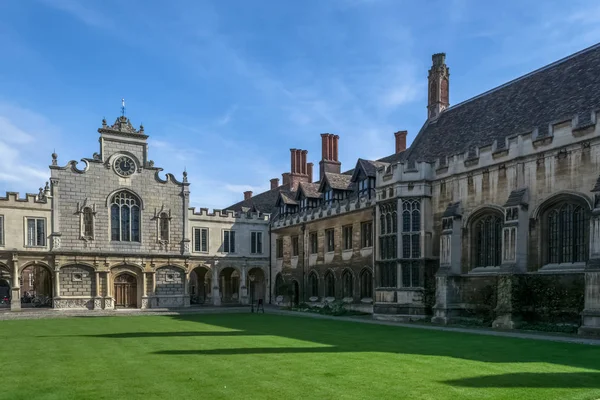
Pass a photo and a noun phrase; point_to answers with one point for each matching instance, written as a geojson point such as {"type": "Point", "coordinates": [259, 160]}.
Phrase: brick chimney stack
{"type": "Point", "coordinates": [248, 195]}
{"type": "Point", "coordinates": [439, 92]}
{"type": "Point", "coordinates": [400, 141]}
{"type": "Point", "coordinates": [329, 154]}
{"type": "Point", "coordinates": [310, 172]}
{"type": "Point", "coordinates": [298, 168]}
{"type": "Point", "coordinates": [274, 183]}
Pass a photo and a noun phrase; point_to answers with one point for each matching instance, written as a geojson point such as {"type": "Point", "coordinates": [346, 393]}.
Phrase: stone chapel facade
{"type": "Point", "coordinates": [114, 233]}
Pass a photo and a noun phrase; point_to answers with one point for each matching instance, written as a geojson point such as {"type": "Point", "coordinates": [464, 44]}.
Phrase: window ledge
{"type": "Point", "coordinates": [330, 252]}
{"type": "Point", "coordinates": [563, 267]}
{"type": "Point", "coordinates": [34, 247]}
{"type": "Point", "coordinates": [367, 248]}
{"type": "Point", "coordinates": [484, 270]}
{"type": "Point", "coordinates": [347, 250]}
{"type": "Point", "coordinates": [294, 257]}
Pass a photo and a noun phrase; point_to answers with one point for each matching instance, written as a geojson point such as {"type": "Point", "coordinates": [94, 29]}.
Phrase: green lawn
{"type": "Point", "coordinates": [244, 356]}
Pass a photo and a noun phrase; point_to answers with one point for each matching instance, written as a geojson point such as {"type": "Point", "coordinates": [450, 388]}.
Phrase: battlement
{"type": "Point", "coordinates": [14, 198]}
{"type": "Point", "coordinates": [227, 215]}
{"type": "Point", "coordinates": [325, 211]}
{"type": "Point", "coordinates": [541, 140]}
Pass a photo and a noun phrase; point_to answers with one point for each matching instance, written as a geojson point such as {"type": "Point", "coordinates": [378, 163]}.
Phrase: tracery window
{"type": "Point", "coordinates": [329, 284]}
{"type": "Point", "coordinates": [313, 284]}
{"type": "Point", "coordinates": [125, 217]}
{"type": "Point", "coordinates": [567, 232]}
{"type": "Point", "coordinates": [411, 228]}
{"type": "Point", "coordinates": [487, 240]}
{"type": "Point", "coordinates": [366, 284]}
{"type": "Point", "coordinates": [388, 231]}
{"type": "Point", "coordinates": [347, 284]}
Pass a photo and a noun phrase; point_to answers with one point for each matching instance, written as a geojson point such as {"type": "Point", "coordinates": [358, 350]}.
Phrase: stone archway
{"type": "Point", "coordinates": [4, 293]}
{"type": "Point", "coordinates": [36, 283]}
{"type": "Point", "coordinates": [200, 285]}
{"type": "Point", "coordinates": [256, 284]}
{"type": "Point", "coordinates": [229, 283]}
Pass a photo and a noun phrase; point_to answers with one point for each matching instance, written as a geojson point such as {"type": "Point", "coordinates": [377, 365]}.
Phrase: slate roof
{"type": "Point", "coordinates": [369, 167]}
{"type": "Point", "coordinates": [264, 202]}
{"type": "Point", "coordinates": [310, 190]}
{"type": "Point", "coordinates": [559, 91]}
{"type": "Point", "coordinates": [597, 186]}
{"type": "Point", "coordinates": [516, 198]}
{"type": "Point", "coordinates": [339, 181]}
{"type": "Point", "coordinates": [453, 210]}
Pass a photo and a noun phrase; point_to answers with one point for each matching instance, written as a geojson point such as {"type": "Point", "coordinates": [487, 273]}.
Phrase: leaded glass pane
{"type": "Point", "coordinates": [125, 223]}
{"type": "Point", "coordinates": [115, 218]}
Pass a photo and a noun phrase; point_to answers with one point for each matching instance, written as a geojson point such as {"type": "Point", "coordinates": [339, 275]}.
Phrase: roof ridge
{"type": "Point", "coordinates": [527, 75]}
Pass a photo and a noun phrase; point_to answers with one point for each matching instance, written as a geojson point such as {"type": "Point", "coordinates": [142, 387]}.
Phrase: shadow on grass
{"type": "Point", "coordinates": [329, 336]}
{"type": "Point", "coordinates": [590, 380]}
{"type": "Point", "coordinates": [129, 335]}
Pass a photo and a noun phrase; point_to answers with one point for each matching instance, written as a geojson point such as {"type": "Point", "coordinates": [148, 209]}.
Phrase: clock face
{"type": "Point", "coordinates": [124, 166]}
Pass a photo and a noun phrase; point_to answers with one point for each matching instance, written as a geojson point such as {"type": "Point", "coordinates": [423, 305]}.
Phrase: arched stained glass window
{"type": "Point", "coordinates": [487, 242]}
{"type": "Point", "coordinates": [125, 217]}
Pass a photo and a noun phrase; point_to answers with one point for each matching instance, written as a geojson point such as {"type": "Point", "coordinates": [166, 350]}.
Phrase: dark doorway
{"type": "Point", "coordinates": [126, 291]}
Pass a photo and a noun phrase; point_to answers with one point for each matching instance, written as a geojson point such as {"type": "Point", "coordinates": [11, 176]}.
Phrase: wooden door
{"type": "Point", "coordinates": [126, 291]}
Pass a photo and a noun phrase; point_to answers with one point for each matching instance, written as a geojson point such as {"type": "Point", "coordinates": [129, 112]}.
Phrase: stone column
{"type": "Point", "coordinates": [186, 286]}
{"type": "Point", "coordinates": [57, 283]}
{"type": "Point", "coordinates": [216, 295]}
{"type": "Point", "coordinates": [590, 317]}
{"type": "Point", "coordinates": [15, 300]}
{"type": "Point", "coordinates": [108, 300]}
{"type": "Point", "coordinates": [97, 299]}
{"type": "Point", "coordinates": [243, 290]}
{"type": "Point", "coordinates": [145, 303]}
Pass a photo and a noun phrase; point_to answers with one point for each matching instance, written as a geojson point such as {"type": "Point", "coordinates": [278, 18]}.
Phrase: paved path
{"type": "Point", "coordinates": [50, 313]}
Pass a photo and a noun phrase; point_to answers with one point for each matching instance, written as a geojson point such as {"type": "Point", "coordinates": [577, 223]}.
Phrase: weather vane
{"type": "Point", "coordinates": [122, 107]}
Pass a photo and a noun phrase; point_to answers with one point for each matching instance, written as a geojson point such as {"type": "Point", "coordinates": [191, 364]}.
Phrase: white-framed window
{"type": "Point", "coordinates": [509, 243]}
{"type": "Point", "coordinates": [1, 230]}
{"type": "Point", "coordinates": [445, 246]}
{"type": "Point", "coordinates": [36, 232]}
{"type": "Point", "coordinates": [228, 241]}
{"type": "Point", "coordinates": [314, 243]}
{"type": "Point", "coordinates": [295, 246]}
{"type": "Point", "coordinates": [201, 240]}
{"type": "Point", "coordinates": [256, 246]}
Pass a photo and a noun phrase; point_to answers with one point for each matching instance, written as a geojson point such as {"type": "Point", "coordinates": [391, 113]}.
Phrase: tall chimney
{"type": "Point", "coordinates": [400, 141]}
{"type": "Point", "coordinates": [298, 168]}
{"type": "Point", "coordinates": [274, 183]}
{"type": "Point", "coordinates": [309, 167]}
{"type": "Point", "coordinates": [329, 153]}
{"type": "Point", "coordinates": [439, 92]}
{"type": "Point", "coordinates": [248, 195]}
{"type": "Point", "coordinates": [285, 177]}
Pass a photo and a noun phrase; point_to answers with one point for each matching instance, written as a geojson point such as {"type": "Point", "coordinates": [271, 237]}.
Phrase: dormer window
{"type": "Point", "coordinates": [365, 186]}
{"type": "Point", "coordinates": [329, 196]}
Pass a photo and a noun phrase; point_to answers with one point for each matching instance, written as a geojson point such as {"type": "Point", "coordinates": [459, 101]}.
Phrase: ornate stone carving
{"type": "Point", "coordinates": [56, 242]}
{"type": "Point", "coordinates": [73, 303]}
{"type": "Point", "coordinates": [97, 304]}
{"type": "Point", "coordinates": [145, 303]}
{"type": "Point", "coordinates": [108, 303]}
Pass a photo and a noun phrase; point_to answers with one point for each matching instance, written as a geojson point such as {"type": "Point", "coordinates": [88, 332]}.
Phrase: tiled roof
{"type": "Point", "coordinates": [338, 181]}
{"type": "Point", "coordinates": [264, 202]}
{"type": "Point", "coordinates": [310, 190]}
{"type": "Point", "coordinates": [562, 90]}
{"type": "Point", "coordinates": [516, 198]}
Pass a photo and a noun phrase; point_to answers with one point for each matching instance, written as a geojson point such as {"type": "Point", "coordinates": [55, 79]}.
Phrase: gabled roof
{"type": "Point", "coordinates": [336, 181]}
{"type": "Point", "coordinates": [264, 202]}
{"type": "Point", "coordinates": [286, 198]}
{"type": "Point", "coordinates": [369, 168]}
{"type": "Point", "coordinates": [567, 88]}
{"type": "Point", "coordinates": [310, 190]}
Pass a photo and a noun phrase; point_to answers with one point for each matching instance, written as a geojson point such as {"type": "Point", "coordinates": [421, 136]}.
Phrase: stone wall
{"type": "Point", "coordinates": [298, 267]}
{"type": "Point", "coordinates": [169, 281]}
{"type": "Point", "coordinates": [77, 280]}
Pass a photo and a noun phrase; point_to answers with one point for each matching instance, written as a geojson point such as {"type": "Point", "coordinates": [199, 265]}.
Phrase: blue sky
{"type": "Point", "coordinates": [226, 88]}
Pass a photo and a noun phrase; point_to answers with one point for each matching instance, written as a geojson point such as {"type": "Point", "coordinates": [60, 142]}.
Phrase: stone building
{"type": "Point", "coordinates": [493, 213]}
{"type": "Point", "coordinates": [113, 232]}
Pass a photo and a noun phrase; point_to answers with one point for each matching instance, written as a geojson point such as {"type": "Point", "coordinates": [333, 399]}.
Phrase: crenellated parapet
{"type": "Point", "coordinates": [14, 199]}
{"type": "Point", "coordinates": [557, 139]}
{"type": "Point", "coordinates": [220, 215]}
{"type": "Point", "coordinates": [325, 211]}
